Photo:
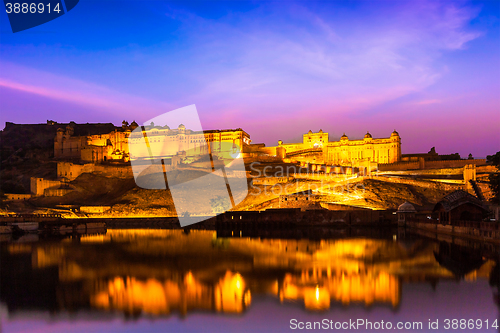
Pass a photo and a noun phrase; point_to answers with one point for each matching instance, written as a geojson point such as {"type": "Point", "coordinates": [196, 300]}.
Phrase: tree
{"type": "Point", "coordinates": [494, 178]}
{"type": "Point", "coordinates": [220, 204]}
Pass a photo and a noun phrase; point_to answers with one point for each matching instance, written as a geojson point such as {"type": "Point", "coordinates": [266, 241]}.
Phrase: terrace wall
{"type": "Point", "coordinates": [414, 165]}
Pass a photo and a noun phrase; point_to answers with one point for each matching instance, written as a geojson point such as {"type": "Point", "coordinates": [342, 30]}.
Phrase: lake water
{"type": "Point", "coordinates": [144, 280]}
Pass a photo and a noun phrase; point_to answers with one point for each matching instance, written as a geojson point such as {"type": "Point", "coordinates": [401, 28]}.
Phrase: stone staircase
{"type": "Point", "coordinates": [477, 190]}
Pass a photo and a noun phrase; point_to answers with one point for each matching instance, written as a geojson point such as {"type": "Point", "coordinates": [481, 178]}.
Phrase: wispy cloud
{"type": "Point", "coordinates": [428, 101]}
{"type": "Point", "coordinates": [319, 58]}
{"type": "Point", "coordinates": [65, 89]}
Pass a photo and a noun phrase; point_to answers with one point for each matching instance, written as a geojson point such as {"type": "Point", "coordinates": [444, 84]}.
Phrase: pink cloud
{"type": "Point", "coordinates": [428, 101]}
{"type": "Point", "coordinates": [65, 89]}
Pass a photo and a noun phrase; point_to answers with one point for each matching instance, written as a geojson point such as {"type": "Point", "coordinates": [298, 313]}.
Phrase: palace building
{"type": "Point", "coordinates": [150, 142]}
{"type": "Point", "coordinates": [163, 142]}
{"type": "Point", "coordinates": [382, 150]}
{"type": "Point", "coordinates": [344, 151]}
{"type": "Point", "coordinates": [101, 145]}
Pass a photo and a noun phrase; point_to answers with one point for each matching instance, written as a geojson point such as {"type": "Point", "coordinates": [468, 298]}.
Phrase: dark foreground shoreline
{"type": "Point", "coordinates": [287, 223]}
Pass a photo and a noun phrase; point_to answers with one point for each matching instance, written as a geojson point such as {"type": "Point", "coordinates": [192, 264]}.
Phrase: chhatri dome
{"type": "Point", "coordinates": [368, 135]}
{"type": "Point", "coordinates": [344, 137]}
{"type": "Point", "coordinates": [134, 125]}
{"type": "Point", "coordinates": [395, 133]}
{"type": "Point", "coordinates": [406, 207]}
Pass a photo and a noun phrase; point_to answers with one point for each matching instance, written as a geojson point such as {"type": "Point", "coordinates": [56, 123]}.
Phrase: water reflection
{"type": "Point", "coordinates": [155, 297]}
{"type": "Point", "coordinates": [158, 272]}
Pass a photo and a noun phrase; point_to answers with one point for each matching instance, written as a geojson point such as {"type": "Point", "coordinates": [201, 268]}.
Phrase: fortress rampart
{"type": "Point", "coordinates": [39, 186]}
{"type": "Point", "coordinates": [422, 183]}
{"type": "Point", "coordinates": [71, 171]}
{"type": "Point", "coordinates": [17, 197]}
{"type": "Point", "coordinates": [422, 164]}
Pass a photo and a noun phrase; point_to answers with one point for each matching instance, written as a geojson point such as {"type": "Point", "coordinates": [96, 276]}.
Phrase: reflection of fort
{"type": "Point", "coordinates": [157, 272]}
{"type": "Point", "coordinates": [186, 293]}
{"type": "Point", "coordinates": [318, 288]}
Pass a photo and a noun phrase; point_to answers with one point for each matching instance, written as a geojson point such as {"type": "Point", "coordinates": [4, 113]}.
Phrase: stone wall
{"type": "Point", "coordinates": [71, 171]}
{"type": "Point", "coordinates": [488, 168]}
{"type": "Point", "coordinates": [303, 201]}
{"type": "Point", "coordinates": [428, 172]}
{"type": "Point", "coordinates": [422, 183]}
{"type": "Point", "coordinates": [326, 176]}
{"type": "Point", "coordinates": [452, 163]}
{"type": "Point", "coordinates": [335, 206]}
{"type": "Point", "coordinates": [400, 166]}
{"type": "Point", "coordinates": [237, 174]}
{"type": "Point", "coordinates": [271, 180]}
{"type": "Point", "coordinates": [358, 217]}
{"type": "Point", "coordinates": [315, 217]}
{"type": "Point", "coordinates": [263, 158]}
{"type": "Point", "coordinates": [16, 197]}
{"type": "Point", "coordinates": [124, 171]}
{"type": "Point", "coordinates": [94, 209]}
{"type": "Point", "coordinates": [56, 192]}
{"type": "Point", "coordinates": [412, 165]}
{"type": "Point", "coordinates": [39, 185]}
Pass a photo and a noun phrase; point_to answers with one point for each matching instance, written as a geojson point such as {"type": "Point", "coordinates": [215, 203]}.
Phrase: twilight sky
{"type": "Point", "coordinates": [429, 69]}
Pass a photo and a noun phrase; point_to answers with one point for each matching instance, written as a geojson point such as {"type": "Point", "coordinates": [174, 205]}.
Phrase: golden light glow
{"type": "Point", "coordinates": [317, 273]}
{"type": "Point", "coordinates": [19, 248]}
{"type": "Point", "coordinates": [94, 239]}
{"type": "Point", "coordinates": [230, 293]}
{"type": "Point", "coordinates": [316, 299]}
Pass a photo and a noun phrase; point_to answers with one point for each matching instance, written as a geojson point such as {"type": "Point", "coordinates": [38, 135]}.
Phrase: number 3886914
{"type": "Point", "coordinates": [30, 8]}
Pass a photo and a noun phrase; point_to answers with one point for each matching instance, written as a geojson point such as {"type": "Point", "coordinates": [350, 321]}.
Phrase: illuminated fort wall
{"type": "Point", "coordinates": [163, 142]}
{"type": "Point", "coordinates": [384, 150]}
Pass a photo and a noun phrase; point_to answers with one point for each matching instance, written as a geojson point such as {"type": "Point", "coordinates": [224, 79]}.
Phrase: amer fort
{"type": "Point", "coordinates": [324, 223]}
{"type": "Point", "coordinates": [102, 143]}
{"type": "Point", "coordinates": [115, 145]}
{"type": "Point", "coordinates": [84, 170]}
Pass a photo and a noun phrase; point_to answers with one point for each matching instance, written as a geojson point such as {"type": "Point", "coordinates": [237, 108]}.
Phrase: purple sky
{"type": "Point", "coordinates": [450, 300]}
{"type": "Point", "coordinates": [429, 69]}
